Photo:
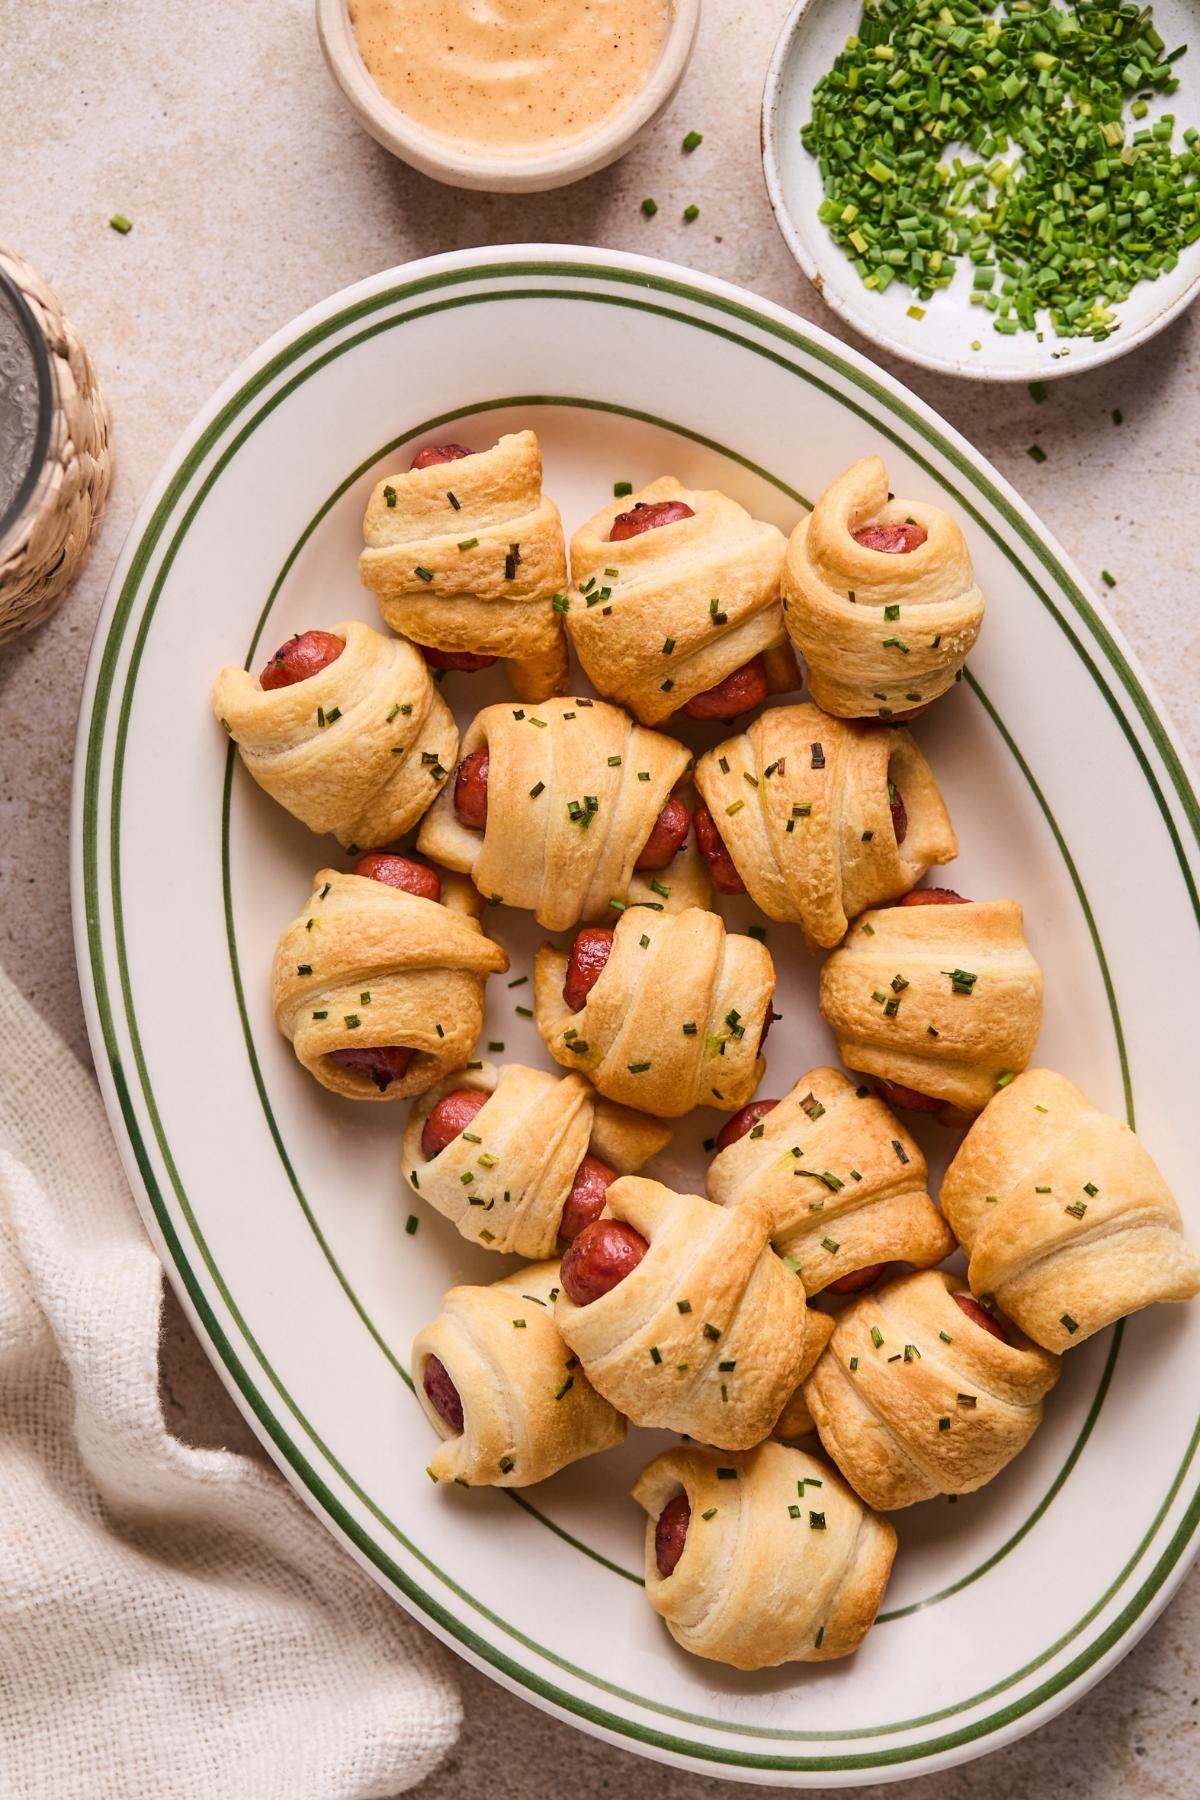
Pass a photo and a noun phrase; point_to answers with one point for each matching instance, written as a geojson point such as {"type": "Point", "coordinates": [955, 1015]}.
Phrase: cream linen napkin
{"type": "Point", "coordinates": [174, 1624]}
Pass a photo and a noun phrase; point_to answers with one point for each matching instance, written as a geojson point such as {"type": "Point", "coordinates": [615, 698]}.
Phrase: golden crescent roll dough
{"type": "Point", "coordinates": [658, 618]}
{"type": "Point", "coordinates": [795, 1421]}
{"type": "Point", "coordinates": [707, 1332]}
{"type": "Point", "coordinates": [505, 1186]}
{"type": "Point", "coordinates": [803, 803]}
{"type": "Point", "coordinates": [360, 749]}
{"type": "Point", "coordinates": [675, 1019]}
{"type": "Point", "coordinates": [568, 813]}
{"type": "Point", "coordinates": [1064, 1214]}
{"type": "Point", "coordinates": [881, 632]}
{"type": "Point", "coordinates": [845, 1182]}
{"type": "Point", "coordinates": [912, 1398]}
{"type": "Point", "coordinates": [782, 1563]}
{"type": "Point", "coordinates": [945, 1000]}
{"type": "Point", "coordinates": [480, 577]}
{"type": "Point", "coordinates": [528, 1409]}
{"type": "Point", "coordinates": [366, 964]}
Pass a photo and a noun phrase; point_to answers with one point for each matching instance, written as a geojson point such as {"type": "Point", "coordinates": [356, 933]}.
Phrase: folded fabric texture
{"type": "Point", "coordinates": [174, 1623]}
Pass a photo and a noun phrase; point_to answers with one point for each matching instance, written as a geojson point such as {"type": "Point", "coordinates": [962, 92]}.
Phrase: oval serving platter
{"type": "Point", "coordinates": [281, 1213]}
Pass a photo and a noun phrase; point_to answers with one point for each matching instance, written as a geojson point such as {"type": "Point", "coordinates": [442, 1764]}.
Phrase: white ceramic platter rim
{"type": "Point", "coordinates": [798, 351]}
{"type": "Point", "coordinates": [940, 340]}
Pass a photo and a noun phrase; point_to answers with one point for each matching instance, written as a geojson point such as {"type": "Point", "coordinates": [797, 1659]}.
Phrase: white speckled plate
{"type": "Point", "coordinates": [280, 1211]}
{"type": "Point", "coordinates": [813, 34]}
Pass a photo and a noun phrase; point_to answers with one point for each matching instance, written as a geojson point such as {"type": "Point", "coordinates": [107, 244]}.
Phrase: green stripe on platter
{"type": "Point", "coordinates": [425, 428]}
{"type": "Point", "coordinates": [95, 744]}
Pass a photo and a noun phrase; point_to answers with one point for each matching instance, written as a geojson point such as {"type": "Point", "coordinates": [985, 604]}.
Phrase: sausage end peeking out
{"type": "Point", "coordinates": [648, 515]}
{"type": "Point", "coordinates": [589, 955]}
{"type": "Point", "coordinates": [471, 790]}
{"type": "Point", "coordinates": [740, 692]}
{"type": "Point", "coordinates": [670, 1534]}
{"type": "Point", "coordinates": [442, 1394]}
{"type": "Point", "coordinates": [892, 540]}
{"type": "Point", "coordinates": [668, 836]}
{"type": "Point", "coordinates": [465, 661]}
{"type": "Point", "coordinates": [906, 1099]}
{"type": "Point", "coordinates": [899, 813]}
{"type": "Point", "coordinates": [933, 897]}
{"type": "Point", "coordinates": [979, 1315]}
{"type": "Point", "coordinates": [743, 1122]}
{"type": "Point", "coordinates": [439, 453]}
{"type": "Point", "coordinates": [712, 848]}
{"type": "Point", "coordinates": [449, 1119]}
{"type": "Point", "coordinates": [601, 1256]}
{"type": "Point", "coordinates": [303, 655]}
{"type": "Point", "coordinates": [401, 872]}
{"type": "Point", "coordinates": [585, 1202]}
{"type": "Point", "coordinates": [858, 1280]}
{"type": "Point", "coordinates": [380, 1063]}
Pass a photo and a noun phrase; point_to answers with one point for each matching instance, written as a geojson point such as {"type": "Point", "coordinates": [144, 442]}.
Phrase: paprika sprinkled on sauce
{"type": "Point", "coordinates": [512, 76]}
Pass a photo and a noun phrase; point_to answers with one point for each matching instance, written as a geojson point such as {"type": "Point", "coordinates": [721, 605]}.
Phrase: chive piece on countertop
{"type": "Point", "coordinates": [1037, 453]}
{"type": "Point", "coordinates": [1107, 579]}
{"type": "Point", "coordinates": [649, 207]}
{"type": "Point", "coordinates": [693, 141]}
{"type": "Point", "coordinates": [691, 214]}
{"type": "Point", "coordinates": [121, 223]}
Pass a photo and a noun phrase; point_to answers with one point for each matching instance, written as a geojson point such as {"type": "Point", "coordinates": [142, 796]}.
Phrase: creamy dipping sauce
{"type": "Point", "coordinates": [512, 76]}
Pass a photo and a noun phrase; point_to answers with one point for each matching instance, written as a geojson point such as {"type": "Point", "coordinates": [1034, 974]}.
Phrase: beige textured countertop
{"type": "Point", "coordinates": [253, 194]}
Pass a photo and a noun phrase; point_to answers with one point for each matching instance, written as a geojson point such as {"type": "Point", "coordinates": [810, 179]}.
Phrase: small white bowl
{"type": "Point", "coordinates": [813, 34]}
{"type": "Point", "coordinates": [437, 157]}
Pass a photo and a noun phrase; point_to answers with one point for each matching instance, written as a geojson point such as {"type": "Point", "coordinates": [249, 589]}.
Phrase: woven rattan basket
{"type": "Point", "coordinates": [44, 549]}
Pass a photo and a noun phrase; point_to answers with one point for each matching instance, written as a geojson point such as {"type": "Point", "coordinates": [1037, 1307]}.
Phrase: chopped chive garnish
{"type": "Point", "coordinates": [470, 544]}
{"type": "Point", "coordinates": [649, 207]}
{"type": "Point", "coordinates": [1107, 579]}
{"type": "Point", "coordinates": [1037, 453]}
{"type": "Point", "coordinates": [1072, 1325]}
{"type": "Point", "coordinates": [727, 1474]}
{"type": "Point", "coordinates": [655, 1354]}
{"type": "Point", "coordinates": [816, 1521]}
{"type": "Point", "coordinates": [691, 213]}
{"type": "Point", "coordinates": [693, 140]}
{"type": "Point", "coordinates": [710, 1514]}
{"type": "Point", "coordinates": [684, 1306]}
{"type": "Point", "coordinates": [422, 573]}
{"type": "Point", "coordinates": [876, 1337]}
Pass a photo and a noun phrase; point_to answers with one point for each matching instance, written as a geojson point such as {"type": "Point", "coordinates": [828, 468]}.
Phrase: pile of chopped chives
{"type": "Point", "coordinates": [947, 131]}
